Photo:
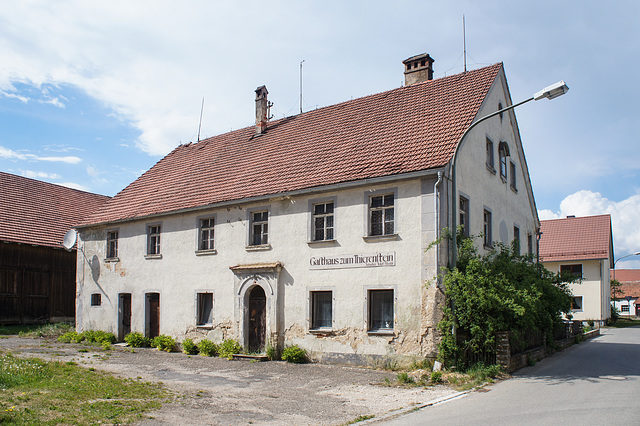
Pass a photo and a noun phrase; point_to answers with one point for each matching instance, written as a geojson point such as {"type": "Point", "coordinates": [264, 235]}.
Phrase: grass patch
{"type": "Point", "coordinates": [624, 323]}
{"type": "Point", "coordinates": [360, 419]}
{"type": "Point", "coordinates": [474, 377]}
{"type": "Point", "coordinates": [36, 330]}
{"type": "Point", "coordinates": [39, 392]}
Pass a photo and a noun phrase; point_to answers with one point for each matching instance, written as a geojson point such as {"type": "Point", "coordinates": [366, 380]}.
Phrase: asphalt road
{"type": "Point", "coordinates": [596, 382]}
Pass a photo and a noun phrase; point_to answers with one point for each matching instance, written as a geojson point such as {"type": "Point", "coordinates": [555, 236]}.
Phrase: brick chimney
{"type": "Point", "coordinates": [418, 68]}
{"type": "Point", "coordinates": [262, 107]}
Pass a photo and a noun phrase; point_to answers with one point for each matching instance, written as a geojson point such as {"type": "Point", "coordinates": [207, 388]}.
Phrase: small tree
{"type": "Point", "coordinates": [499, 291]}
{"type": "Point", "coordinates": [616, 290]}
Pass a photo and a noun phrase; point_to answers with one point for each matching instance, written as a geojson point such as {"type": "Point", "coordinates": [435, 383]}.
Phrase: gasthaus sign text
{"type": "Point", "coordinates": [368, 260]}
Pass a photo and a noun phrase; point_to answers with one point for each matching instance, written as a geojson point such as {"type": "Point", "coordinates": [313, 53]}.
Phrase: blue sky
{"type": "Point", "coordinates": [94, 93]}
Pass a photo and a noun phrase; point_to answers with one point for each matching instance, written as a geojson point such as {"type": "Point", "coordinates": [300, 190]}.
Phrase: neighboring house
{"type": "Point", "coordinates": [37, 276]}
{"type": "Point", "coordinates": [628, 300]}
{"type": "Point", "coordinates": [584, 247]}
{"type": "Point", "coordinates": [313, 229]}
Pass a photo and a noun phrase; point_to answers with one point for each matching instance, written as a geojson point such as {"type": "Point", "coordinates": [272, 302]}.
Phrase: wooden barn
{"type": "Point", "coordinates": [37, 275]}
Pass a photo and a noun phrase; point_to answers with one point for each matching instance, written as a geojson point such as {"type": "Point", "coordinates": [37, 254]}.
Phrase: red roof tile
{"type": "Point", "coordinates": [629, 289]}
{"type": "Point", "coordinates": [408, 129]}
{"type": "Point", "coordinates": [576, 238]}
{"type": "Point", "coordinates": [627, 275]}
{"type": "Point", "coordinates": [40, 213]}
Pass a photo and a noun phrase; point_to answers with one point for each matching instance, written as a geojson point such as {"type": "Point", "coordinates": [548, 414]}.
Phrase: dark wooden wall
{"type": "Point", "coordinates": [36, 283]}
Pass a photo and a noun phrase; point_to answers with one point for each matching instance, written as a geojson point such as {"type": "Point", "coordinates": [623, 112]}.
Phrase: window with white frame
{"type": "Point", "coordinates": [380, 310]}
{"type": "Point", "coordinates": [204, 309]}
{"type": "Point", "coordinates": [514, 181]}
{"type": "Point", "coordinates": [488, 238]}
{"type": "Point", "coordinates": [321, 309]}
{"type": "Point", "coordinates": [503, 154]}
{"type": "Point", "coordinates": [206, 234]}
{"type": "Point", "coordinates": [323, 221]}
{"type": "Point", "coordinates": [381, 215]}
{"type": "Point", "coordinates": [259, 228]}
{"type": "Point", "coordinates": [464, 215]}
{"type": "Point", "coordinates": [624, 308]}
{"type": "Point", "coordinates": [153, 239]}
{"type": "Point", "coordinates": [490, 159]}
{"type": "Point", "coordinates": [573, 269]}
{"type": "Point", "coordinates": [576, 303]}
{"type": "Point", "coordinates": [112, 244]}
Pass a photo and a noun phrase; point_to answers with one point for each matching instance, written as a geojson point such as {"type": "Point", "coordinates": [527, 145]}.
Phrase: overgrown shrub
{"type": "Point", "coordinates": [98, 336]}
{"type": "Point", "coordinates": [228, 348]}
{"type": "Point", "coordinates": [405, 378]}
{"type": "Point", "coordinates": [207, 348]}
{"type": "Point", "coordinates": [189, 348]}
{"type": "Point", "coordinates": [137, 340]}
{"type": "Point", "coordinates": [295, 354]}
{"type": "Point", "coordinates": [71, 337]}
{"type": "Point", "coordinates": [164, 343]}
{"type": "Point", "coordinates": [436, 377]}
{"type": "Point", "coordinates": [499, 291]}
{"type": "Point", "coordinates": [272, 353]}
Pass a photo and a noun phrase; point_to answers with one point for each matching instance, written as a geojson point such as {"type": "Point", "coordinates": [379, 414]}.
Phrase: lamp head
{"type": "Point", "coordinates": [552, 92]}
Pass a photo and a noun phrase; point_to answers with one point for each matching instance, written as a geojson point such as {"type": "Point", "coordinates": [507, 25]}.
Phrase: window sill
{"type": "Point", "coordinates": [491, 169]}
{"type": "Point", "coordinates": [206, 252]}
{"type": "Point", "coordinates": [514, 189]}
{"type": "Point", "coordinates": [153, 256]}
{"type": "Point", "coordinates": [320, 242]}
{"type": "Point", "coordinates": [375, 238]}
{"type": "Point", "coordinates": [381, 332]}
{"type": "Point", "coordinates": [486, 247]}
{"type": "Point", "coordinates": [112, 260]}
{"type": "Point", "coordinates": [322, 331]}
{"type": "Point", "coordinates": [205, 326]}
{"type": "Point", "coordinates": [503, 178]}
{"type": "Point", "coordinates": [261, 247]}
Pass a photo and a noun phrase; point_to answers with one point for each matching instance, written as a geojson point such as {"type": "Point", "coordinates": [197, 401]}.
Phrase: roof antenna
{"type": "Point", "coordinates": [301, 86]}
{"type": "Point", "coordinates": [464, 42]}
{"type": "Point", "coordinates": [200, 124]}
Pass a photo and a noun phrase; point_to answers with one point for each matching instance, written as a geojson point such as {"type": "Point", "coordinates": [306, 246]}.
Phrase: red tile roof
{"type": "Point", "coordinates": [40, 213]}
{"type": "Point", "coordinates": [576, 238]}
{"type": "Point", "coordinates": [629, 289]}
{"type": "Point", "coordinates": [408, 129]}
{"type": "Point", "coordinates": [627, 275]}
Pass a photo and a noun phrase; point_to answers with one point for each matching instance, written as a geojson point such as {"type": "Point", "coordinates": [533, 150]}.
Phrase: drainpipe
{"type": "Point", "coordinates": [436, 210]}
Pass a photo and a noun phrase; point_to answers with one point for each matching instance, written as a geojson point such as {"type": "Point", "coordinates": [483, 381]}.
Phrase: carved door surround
{"type": "Point", "coordinates": [247, 277]}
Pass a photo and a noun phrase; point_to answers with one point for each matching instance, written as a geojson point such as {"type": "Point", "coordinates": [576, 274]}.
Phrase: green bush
{"type": "Point", "coordinates": [189, 348]}
{"type": "Point", "coordinates": [207, 348]}
{"type": "Point", "coordinates": [98, 336]}
{"type": "Point", "coordinates": [164, 343]}
{"type": "Point", "coordinates": [137, 340]}
{"type": "Point", "coordinates": [405, 378]}
{"type": "Point", "coordinates": [295, 354]}
{"type": "Point", "coordinates": [228, 348]}
{"type": "Point", "coordinates": [436, 377]}
{"type": "Point", "coordinates": [71, 337]}
{"type": "Point", "coordinates": [272, 353]}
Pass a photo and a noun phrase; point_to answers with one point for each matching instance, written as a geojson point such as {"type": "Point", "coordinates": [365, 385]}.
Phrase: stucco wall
{"type": "Point", "coordinates": [594, 289]}
{"type": "Point", "coordinates": [180, 274]}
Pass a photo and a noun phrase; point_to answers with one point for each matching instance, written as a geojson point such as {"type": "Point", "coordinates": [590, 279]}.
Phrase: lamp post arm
{"type": "Point", "coordinates": [454, 190]}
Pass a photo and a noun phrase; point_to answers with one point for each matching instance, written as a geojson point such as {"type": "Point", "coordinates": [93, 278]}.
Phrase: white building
{"type": "Point", "coordinates": [312, 229]}
{"type": "Point", "coordinates": [628, 299]}
{"type": "Point", "coordinates": [584, 247]}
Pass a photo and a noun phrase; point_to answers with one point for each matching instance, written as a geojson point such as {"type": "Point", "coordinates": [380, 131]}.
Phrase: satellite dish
{"type": "Point", "coordinates": [69, 239]}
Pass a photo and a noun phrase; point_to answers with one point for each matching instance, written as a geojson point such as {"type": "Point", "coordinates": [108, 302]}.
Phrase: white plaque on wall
{"type": "Point", "coordinates": [368, 260]}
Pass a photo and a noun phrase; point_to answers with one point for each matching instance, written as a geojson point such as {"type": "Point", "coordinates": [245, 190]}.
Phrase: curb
{"type": "Point", "coordinates": [403, 411]}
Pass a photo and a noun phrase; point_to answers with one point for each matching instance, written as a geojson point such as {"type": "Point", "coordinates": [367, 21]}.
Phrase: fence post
{"type": "Point", "coordinates": [503, 349]}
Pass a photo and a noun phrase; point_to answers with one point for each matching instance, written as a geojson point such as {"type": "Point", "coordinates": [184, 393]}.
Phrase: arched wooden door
{"type": "Point", "coordinates": [257, 319]}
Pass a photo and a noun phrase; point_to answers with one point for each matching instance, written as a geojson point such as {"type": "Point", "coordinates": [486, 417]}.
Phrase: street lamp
{"type": "Point", "coordinates": [549, 92]}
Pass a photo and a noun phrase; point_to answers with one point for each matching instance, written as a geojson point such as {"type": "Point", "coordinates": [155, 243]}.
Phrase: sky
{"type": "Point", "coordinates": [92, 94]}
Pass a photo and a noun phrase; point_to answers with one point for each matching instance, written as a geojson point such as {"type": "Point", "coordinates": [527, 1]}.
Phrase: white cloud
{"type": "Point", "coordinates": [13, 155]}
{"type": "Point", "coordinates": [39, 175]}
{"type": "Point", "coordinates": [624, 217]}
{"type": "Point", "coordinates": [74, 185]}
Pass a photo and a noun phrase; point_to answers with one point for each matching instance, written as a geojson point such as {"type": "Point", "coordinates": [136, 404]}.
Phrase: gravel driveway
{"type": "Point", "coordinates": [222, 392]}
